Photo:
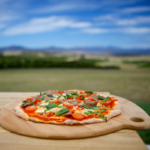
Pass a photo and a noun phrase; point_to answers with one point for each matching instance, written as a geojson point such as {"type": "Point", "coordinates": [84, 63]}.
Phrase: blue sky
{"type": "Point", "coordinates": [75, 23]}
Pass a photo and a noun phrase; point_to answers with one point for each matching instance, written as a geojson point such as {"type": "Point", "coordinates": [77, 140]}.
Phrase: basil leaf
{"type": "Point", "coordinates": [90, 92]}
{"type": "Point", "coordinates": [62, 111]}
{"type": "Point", "coordinates": [88, 107]}
{"type": "Point", "coordinates": [41, 98]}
{"type": "Point", "coordinates": [46, 101]}
{"type": "Point", "coordinates": [97, 112]}
{"type": "Point", "coordinates": [85, 106]}
{"type": "Point", "coordinates": [74, 93]}
{"type": "Point", "coordinates": [59, 106]}
{"type": "Point", "coordinates": [101, 98]}
{"type": "Point", "coordinates": [65, 97]}
{"type": "Point", "coordinates": [59, 96]}
{"type": "Point", "coordinates": [51, 105]}
{"type": "Point", "coordinates": [103, 110]}
{"type": "Point", "coordinates": [69, 95]}
{"type": "Point", "coordinates": [102, 116]}
{"type": "Point", "coordinates": [95, 107]}
{"type": "Point", "coordinates": [82, 97]}
{"type": "Point", "coordinates": [106, 99]}
{"type": "Point", "coordinates": [25, 102]}
{"type": "Point", "coordinates": [50, 95]}
{"type": "Point", "coordinates": [88, 112]}
{"type": "Point", "coordinates": [42, 93]}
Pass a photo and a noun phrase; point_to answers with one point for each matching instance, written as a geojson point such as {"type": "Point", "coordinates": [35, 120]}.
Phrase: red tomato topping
{"type": "Point", "coordinates": [70, 106]}
{"type": "Point", "coordinates": [50, 114]}
{"type": "Point", "coordinates": [55, 101]}
{"type": "Point", "coordinates": [78, 116]}
{"type": "Point", "coordinates": [91, 100]}
{"type": "Point", "coordinates": [69, 97]}
{"type": "Point", "coordinates": [90, 116]}
{"type": "Point", "coordinates": [31, 109]}
{"type": "Point", "coordinates": [81, 97]}
{"type": "Point", "coordinates": [80, 108]}
{"type": "Point", "coordinates": [80, 92]}
{"type": "Point", "coordinates": [86, 96]}
{"type": "Point", "coordinates": [29, 99]}
{"type": "Point", "coordinates": [60, 92]}
{"type": "Point", "coordinates": [96, 115]}
{"type": "Point", "coordinates": [37, 101]}
{"type": "Point", "coordinates": [72, 111]}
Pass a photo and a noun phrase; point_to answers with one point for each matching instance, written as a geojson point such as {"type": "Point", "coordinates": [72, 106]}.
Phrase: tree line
{"type": "Point", "coordinates": [35, 62]}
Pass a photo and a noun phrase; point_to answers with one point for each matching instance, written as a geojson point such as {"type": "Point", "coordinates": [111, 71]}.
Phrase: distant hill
{"type": "Point", "coordinates": [82, 50]}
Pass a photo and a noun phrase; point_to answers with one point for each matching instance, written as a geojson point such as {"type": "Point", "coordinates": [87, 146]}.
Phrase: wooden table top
{"type": "Point", "coordinates": [123, 139]}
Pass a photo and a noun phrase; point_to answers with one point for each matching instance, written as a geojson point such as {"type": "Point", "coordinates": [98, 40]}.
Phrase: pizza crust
{"type": "Point", "coordinates": [20, 113]}
{"type": "Point", "coordinates": [116, 111]}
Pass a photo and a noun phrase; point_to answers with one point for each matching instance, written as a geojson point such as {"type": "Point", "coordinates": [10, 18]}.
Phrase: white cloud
{"type": "Point", "coordinates": [9, 11]}
{"type": "Point", "coordinates": [7, 17]}
{"type": "Point", "coordinates": [53, 23]}
{"type": "Point", "coordinates": [39, 25]}
{"type": "Point", "coordinates": [117, 20]}
{"type": "Point", "coordinates": [134, 21]}
{"type": "Point", "coordinates": [135, 30]}
{"type": "Point", "coordinates": [105, 17]}
{"type": "Point", "coordinates": [135, 9]}
{"type": "Point", "coordinates": [65, 7]}
{"type": "Point", "coordinates": [80, 5]}
{"type": "Point", "coordinates": [95, 30]}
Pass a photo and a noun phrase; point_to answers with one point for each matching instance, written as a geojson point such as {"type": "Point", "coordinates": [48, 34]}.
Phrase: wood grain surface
{"type": "Point", "coordinates": [132, 117]}
{"type": "Point", "coordinates": [125, 139]}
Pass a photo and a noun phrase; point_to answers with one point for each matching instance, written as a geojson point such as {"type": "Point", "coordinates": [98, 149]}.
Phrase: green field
{"type": "Point", "coordinates": [133, 85]}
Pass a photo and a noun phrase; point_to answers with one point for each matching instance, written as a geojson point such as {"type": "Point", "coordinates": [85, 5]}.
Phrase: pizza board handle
{"type": "Point", "coordinates": [137, 123]}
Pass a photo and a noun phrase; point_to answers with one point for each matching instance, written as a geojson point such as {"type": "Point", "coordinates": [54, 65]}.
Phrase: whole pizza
{"type": "Point", "coordinates": [68, 107]}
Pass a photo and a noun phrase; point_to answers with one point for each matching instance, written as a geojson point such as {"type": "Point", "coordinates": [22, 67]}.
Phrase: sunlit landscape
{"type": "Point", "coordinates": [101, 46]}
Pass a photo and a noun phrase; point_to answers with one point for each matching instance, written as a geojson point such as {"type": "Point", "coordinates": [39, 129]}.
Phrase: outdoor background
{"type": "Point", "coordinates": [78, 44]}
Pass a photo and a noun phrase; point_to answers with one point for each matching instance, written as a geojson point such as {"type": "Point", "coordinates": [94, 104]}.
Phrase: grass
{"type": "Point", "coordinates": [145, 134]}
{"type": "Point", "coordinates": [132, 85]}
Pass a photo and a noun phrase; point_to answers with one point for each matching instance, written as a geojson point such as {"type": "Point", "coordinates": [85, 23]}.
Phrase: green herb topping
{"type": "Point", "coordinates": [51, 105]}
{"type": "Point", "coordinates": [89, 107]}
{"type": "Point", "coordinates": [26, 102]}
{"type": "Point", "coordinates": [50, 95]}
{"type": "Point", "coordinates": [106, 99]}
{"type": "Point", "coordinates": [88, 112]}
{"type": "Point", "coordinates": [102, 116]}
{"type": "Point", "coordinates": [74, 93]}
{"type": "Point", "coordinates": [42, 96]}
{"type": "Point", "coordinates": [62, 111]}
{"type": "Point", "coordinates": [82, 97]}
{"type": "Point", "coordinates": [101, 97]}
{"type": "Point", "coordinates": [89, 92]}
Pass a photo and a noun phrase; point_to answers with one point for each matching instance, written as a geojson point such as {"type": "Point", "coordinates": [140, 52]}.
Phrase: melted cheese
{"type": "Point", "coordinates": [40, 109]}
{"type": "Point", "coordinates": [55, 110]}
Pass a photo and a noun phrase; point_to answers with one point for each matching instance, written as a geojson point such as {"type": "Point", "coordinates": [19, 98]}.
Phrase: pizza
{"type": "Point", "coordinates": [68, 107]}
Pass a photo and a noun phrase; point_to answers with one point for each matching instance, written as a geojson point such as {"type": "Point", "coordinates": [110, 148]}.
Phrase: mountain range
{"type": "Point", "coordinates": [82, 50]}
